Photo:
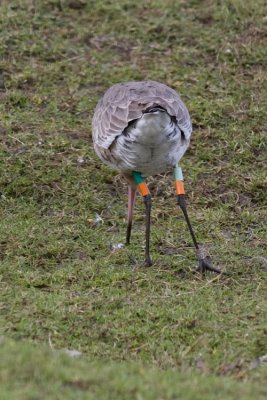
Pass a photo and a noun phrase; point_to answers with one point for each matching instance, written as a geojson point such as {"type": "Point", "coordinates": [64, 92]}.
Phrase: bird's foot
{"type": "Point", "coordinates": [205, 263]}
{"type": "Point", "coordinates": [148, 262]}
{"type": "Point", "coordinates": [135, 264]}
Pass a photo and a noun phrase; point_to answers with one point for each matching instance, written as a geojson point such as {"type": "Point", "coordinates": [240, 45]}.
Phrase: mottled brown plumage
{"type": "Point", "coordinates": [126, 102]}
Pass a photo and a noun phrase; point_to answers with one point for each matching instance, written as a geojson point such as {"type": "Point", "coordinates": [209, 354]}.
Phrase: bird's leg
{"type": "Point", "coordinates": [204, 261]}
{"type": "Point", "coordinates": [131, 202]}
{"type": "Point", "coordinates": [148, 204]}
{"type": "Point", "coordinates": [142, 186]}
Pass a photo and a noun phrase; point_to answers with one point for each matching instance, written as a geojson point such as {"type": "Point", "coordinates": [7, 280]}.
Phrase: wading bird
{"type": "Point", "coordinates": [141, 129]}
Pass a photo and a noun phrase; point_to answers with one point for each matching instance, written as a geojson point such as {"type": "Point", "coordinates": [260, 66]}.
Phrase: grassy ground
{"type": "Point", "coordinates": [143, 334]}
{"type": "Point", "coordinates": [41, 375]}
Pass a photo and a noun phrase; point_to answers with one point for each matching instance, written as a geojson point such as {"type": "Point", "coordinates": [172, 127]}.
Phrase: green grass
{"type": "Point", "coordinates": [43, 374]}
{"type": "Point", "coordinates": [161, 330]}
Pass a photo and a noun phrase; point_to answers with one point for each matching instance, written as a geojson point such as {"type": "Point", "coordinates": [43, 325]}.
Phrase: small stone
{"type": "Point", "coordinates": [80, 160]}
{"type": "Point", "coordinates": [117, 246]}
{"type": "Point", "coordinates": [98, 219]}
{"type": "Point", "coordinates": [73, 353]}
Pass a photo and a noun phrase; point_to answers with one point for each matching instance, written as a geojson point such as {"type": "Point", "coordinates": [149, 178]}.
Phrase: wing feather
{"type": "Point", "coordinates": [125, 102]}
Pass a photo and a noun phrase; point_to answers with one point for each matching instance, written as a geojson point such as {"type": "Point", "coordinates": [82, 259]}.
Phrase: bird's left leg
{"type": "Point", "coordinates": [204, 262]}
{"type": "Point", "coordinates": [142, 186]}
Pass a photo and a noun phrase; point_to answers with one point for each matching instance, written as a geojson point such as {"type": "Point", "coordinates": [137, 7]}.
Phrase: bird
{"type": "Point", "coordinates": [143, 128]}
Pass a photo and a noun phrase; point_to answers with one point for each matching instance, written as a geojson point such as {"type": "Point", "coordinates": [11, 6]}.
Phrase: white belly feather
{"type": "Point", "coordinates": [151, 145]}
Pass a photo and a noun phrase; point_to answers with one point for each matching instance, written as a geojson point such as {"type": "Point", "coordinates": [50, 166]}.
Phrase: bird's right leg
{"type": "Point", "coordinates": [131, 202]}
{"type": "Point", "coordinates": [142, 186]}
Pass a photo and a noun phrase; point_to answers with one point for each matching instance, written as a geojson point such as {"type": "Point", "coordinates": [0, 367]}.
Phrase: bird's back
{"type": "Point", "coordinates": [141, 126]}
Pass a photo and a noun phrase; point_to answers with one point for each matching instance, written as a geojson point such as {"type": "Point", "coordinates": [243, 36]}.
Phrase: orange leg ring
{"type": "Point", "coordinates": [143, 188]}
{"type": "Point", "coordinates": [179, 186]}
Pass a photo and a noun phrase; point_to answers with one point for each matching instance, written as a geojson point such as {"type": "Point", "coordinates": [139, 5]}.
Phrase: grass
{"type": "Point", "coordinates": [163, 332]}
{"type": "Point", "coordinates": [40, 374]}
